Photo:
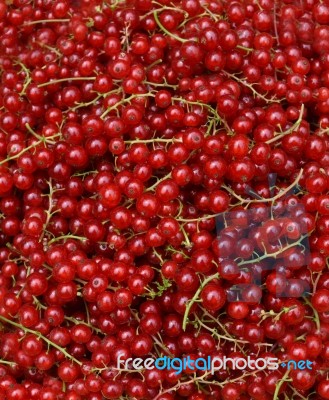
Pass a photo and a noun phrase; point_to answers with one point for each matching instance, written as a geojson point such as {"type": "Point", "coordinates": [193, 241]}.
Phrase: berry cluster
{"type": "Point", "coordinates": [164, 190]}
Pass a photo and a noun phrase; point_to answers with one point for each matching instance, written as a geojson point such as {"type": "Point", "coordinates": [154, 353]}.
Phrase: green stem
{"type": "Point", "coordinates": [195, 298]}
{"type": "Point", "coordinates": [179, 39]}
{"type": "Point", "coordinates": [32, 146]}
{"type": "Point", "coordinates": [38, 334]}
{"type": "Point", "coordinates": [66, 237]}
{"type": "Point", "coordinates": [300, 396]}
{"type": "Point", "coordinates": [267, 255]}
{"type": "Point", "coordinates": [197, 103]}
{"type": "Point", "coordinates": [42, 139]}
{"type": "Point", "coordinates": [18, 154]}
{"type": "Point", "coordinates": [74, 78]}
{"type": "Point", "coordinates": [57, 52]}
{"type": "Point", "coordinates": [316, 315]}
{"type": "Point", "coordinates": [90, 103]}
{"type": "Point", "coordinates": [217, 335]}
{"type": "Point", "coordinates": [187, 240]}
{"type": "Point", "coordinates": [263, 200]}
{"type": "Point", "coordinates": [156, 340]}
{"type": "Point", "coordinates": [12, 363]}
{"type": "Point", "coordinates": [248, 49]}
{"type": "Point", "coordinates": [123, 101]}
{"type": "Point", "coordinates": [166, 85]}
{"type": "Point", "coordinates": [280, 135]}
{"type": "Point", "coordinates": [196, 219]}
{"type": "Point", "coordinates": [279, 384]}
{"type": "Point", "coordinates": [49, 210]}
{"type": "Point", "coordinates": [42, 21]}
{"type": "Point", "coordinates": [158, 181]}
{"type": "Point", "coordinates": [254, 91]}
{"type": "Point", "coordinates": [28, 78]}
{"type": "Point", "coordinates": [155, 140]}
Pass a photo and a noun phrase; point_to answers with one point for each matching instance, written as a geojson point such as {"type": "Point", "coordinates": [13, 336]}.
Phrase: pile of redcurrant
{"type": "Point", "coordinates": [164, 191]}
